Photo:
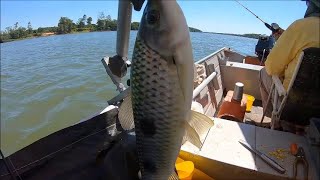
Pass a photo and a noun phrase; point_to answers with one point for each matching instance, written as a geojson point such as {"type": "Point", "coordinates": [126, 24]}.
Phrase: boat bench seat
{"type": "Point", "coordinates": [222, 157]}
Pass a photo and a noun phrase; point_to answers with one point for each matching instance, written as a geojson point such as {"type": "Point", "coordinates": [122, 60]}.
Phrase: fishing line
{"type": "Point", "coordinates": [250, 11]}
{"type": "Point", "coordinates": [266, 24]}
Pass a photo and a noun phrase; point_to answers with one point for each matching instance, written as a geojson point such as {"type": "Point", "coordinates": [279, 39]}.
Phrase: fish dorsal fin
{"type": "Point", "coordinates": [125, 114]}
{"type": "Point", "coordinates": [197, 128]}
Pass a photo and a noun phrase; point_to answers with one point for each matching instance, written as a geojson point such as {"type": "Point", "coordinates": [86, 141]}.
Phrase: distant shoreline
{"type": "Point", "coordinates": [84, 24]}
{"type": "Point", "coordinates": [47, 34]}
{"type": "Point", "coordinates": [252, 35]}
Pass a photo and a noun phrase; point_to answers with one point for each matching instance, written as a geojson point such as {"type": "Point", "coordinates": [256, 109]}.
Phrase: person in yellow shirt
{"type": "Point", "coordinates": [283, 57]}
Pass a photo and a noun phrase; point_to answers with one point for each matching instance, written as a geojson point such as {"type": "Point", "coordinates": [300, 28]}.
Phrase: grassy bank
{"type": "Point", "coordinates": [44, 35]}
{"type": "Point", "coordinates": [10, 40]}
{"type": "Point", "coordinates": [18, 39]}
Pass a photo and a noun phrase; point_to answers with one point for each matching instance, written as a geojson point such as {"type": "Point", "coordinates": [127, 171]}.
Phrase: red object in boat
{"type": "Point", "coordinates": [253, 60]}
{"type": "Point", "coordinates": [231, 109]}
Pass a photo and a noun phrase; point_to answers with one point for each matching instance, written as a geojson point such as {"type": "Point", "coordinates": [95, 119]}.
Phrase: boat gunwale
{"type": "Point", "coordinates": [212, 54]}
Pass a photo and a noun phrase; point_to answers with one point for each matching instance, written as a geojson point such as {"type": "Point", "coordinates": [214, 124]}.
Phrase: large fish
{"type": "Point", "coordinates": [161, 91]}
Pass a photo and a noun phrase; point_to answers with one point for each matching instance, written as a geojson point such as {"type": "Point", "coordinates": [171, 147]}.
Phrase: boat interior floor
{"type": "Point", "coordinates": [254, 116]}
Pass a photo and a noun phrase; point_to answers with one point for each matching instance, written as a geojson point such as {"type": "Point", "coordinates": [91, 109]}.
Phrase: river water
{"type": "Point", "coordinates": [49, 83]}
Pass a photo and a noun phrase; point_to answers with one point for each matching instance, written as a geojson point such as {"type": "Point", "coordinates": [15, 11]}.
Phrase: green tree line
{"type": "Point", "coordinates": [104, 23]}
{"type": "Point", "coordinates": [252, 35]}
{"type": "Point", "coordinates": [66, 25]}
{"type": "Point", "coordinates": [16, 32]}
{"type": "Point", "coordinates": [191, 29]}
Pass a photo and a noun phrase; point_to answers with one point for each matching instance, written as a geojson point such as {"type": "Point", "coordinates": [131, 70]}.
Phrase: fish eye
{"type": "Point", "coordinates": [152, 17]}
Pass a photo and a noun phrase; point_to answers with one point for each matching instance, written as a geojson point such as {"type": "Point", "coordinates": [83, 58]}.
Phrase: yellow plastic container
{"type": "Point", "coordinates": [250, 100]}
{"type": "Point", "coordinates": [185, 170]}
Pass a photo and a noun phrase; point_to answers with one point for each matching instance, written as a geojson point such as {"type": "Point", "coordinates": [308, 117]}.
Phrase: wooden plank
{"type": "Point", "coordinates": [210, 69]}
{"type": "Point", "coordinates": [219, 96]}
{"type": "Point", "coordinates": [217, 82]}
{"type": "Point", "coordinates": [211, 110]}
{"type": "Point", "coordinates": [206, 101]}
{"type": "Point", "coordinates": [217, 70]}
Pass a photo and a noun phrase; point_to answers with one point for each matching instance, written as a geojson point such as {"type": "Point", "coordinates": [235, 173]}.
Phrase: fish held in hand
{"type": "Point", "coordinates": [161, 91]}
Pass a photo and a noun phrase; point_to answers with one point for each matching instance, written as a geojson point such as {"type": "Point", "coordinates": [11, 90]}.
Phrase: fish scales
{"type": "Point", "coordinates": [158, 116]}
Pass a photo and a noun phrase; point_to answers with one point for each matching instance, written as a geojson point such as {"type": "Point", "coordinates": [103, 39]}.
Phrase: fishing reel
{"type": "Point", "coordinates": [116, 66]}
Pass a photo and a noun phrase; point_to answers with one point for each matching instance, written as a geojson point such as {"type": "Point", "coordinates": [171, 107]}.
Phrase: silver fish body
{"type": "Point", "coordinates": [158, 115]}
{"type": "Point", "coordinates": [159, 105]}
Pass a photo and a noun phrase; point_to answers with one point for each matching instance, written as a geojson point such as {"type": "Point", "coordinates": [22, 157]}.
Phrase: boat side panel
{"type": "Point", "coordinates": [245, 73]}
{"type": "Point", "coordinates": [234, 57]}
{"type": "Point", "coordinates": [220, 53]}
{"type": "Point", "coordinates": [214, 89]}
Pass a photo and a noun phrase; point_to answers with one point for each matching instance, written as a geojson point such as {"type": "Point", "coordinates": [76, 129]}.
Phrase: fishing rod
{"type": "Point", "coordinates": [266, 24]}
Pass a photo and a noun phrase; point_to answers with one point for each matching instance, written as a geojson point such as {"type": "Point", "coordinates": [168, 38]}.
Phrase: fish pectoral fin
{"type": "Point", "coordinates": [192, 136]}
{"type": "Point", "coordinates": [125, 114]}
{"type": "Point", "coordinates": [201, 123]}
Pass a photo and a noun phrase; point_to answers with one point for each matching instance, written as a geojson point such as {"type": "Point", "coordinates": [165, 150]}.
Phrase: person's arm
{"type": "Point", "coordinates": [283, 52]}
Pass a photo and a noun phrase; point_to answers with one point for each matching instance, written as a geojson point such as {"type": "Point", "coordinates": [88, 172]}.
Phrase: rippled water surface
{"type": "Point", "coordinates": [52, 82]}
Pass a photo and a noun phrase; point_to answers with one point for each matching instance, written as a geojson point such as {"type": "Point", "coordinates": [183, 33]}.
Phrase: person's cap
{"type": "Point", "coordinates": [275, 26]}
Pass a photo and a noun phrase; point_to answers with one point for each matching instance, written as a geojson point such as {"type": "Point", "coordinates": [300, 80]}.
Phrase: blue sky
{"type": "Point", "coordinates": [211, 16]}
